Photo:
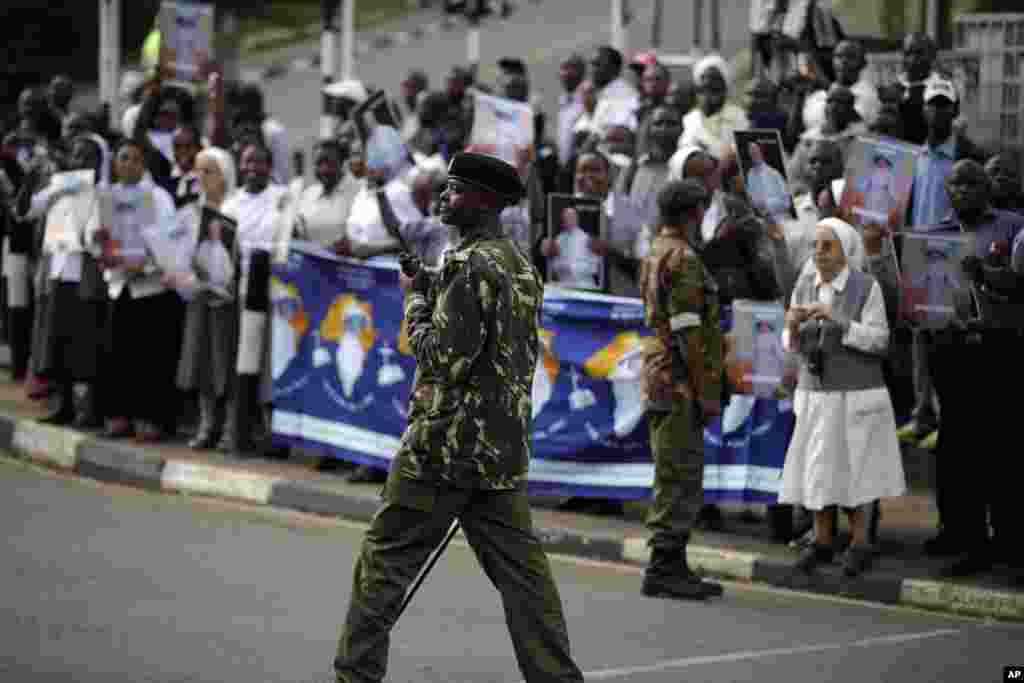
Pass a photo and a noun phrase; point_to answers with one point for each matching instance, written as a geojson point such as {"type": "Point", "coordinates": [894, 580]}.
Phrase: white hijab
{"type": "Point", "coordinates": [849, 239]}
{"type": "Point", "coordinates": [223, 159]}
{"type": "Point", "coordinates": [715, 213]}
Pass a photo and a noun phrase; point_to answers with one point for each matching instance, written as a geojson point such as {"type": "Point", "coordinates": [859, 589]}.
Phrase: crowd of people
{"type": "Point", "coordinates": [122, 334]}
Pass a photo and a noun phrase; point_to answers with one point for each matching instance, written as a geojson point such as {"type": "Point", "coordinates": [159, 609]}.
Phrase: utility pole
{"type": "Point", "coordinates": [331, 11]}
{"type": "Point", "coordinates": [110, 58]}
{"type": "Point", "coordinates": [657, 14]}
{"type": "Point", "coordinates": [618, 27]}
{"type": "Point", "coordinates": [348, 41]}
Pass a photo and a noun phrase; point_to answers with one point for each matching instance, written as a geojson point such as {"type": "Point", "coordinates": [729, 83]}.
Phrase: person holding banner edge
{"type": "Point", "coordinates": [473, 330]}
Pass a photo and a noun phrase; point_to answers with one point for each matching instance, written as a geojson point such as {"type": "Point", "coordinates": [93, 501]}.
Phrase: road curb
{"type": "Point", "coordinates": [117, 464]}
{"type": "Point", "coordinates": [953, 597]}
{"type": "Point", "coordinates": [308, 497]}
{"type": "Point", "coordinates": [65, 449]}
{"type": "Point", "coordinates": [223, 482]}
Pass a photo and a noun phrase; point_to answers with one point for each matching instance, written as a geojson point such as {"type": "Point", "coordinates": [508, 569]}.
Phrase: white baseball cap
{"type": "Point", "coordinates": [937, 87]}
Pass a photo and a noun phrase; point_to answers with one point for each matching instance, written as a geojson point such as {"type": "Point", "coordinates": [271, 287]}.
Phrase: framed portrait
{"type": "Point", "coordinates": [763, 163]}
{"type": "Point", "coordinates": [934, 286]}
{"type": "Point", "coordinates": [759, 362]}
{"type": "Point", "coordinates": [573, 222]}
{"type": "Point", "coordinates": [878, 178]}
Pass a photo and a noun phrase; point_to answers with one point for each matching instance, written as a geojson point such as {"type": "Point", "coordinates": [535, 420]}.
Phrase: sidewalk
{"type": "Point", "coordinates": [902, 575]}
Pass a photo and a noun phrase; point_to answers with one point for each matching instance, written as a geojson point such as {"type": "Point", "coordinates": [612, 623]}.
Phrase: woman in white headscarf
{"type": "Point", "coordinates": [711, 124]}
{"type": "Point", "coordinates": [69, 320]}
{"type": "Point", "coordinates": [844, 451]}
{"type": "Point", "coordinates": [210, 340]}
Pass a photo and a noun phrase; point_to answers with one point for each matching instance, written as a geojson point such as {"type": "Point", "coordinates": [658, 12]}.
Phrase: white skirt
{"type": "Point", "coordinates": [844, 450]}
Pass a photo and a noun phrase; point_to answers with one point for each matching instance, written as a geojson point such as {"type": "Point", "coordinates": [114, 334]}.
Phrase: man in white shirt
{"type": "Point", "coordinates": [251, 111]}
{"type": "Point", "coordinates": [849, 63]}
{"type": "Point", "coordinates": [324, 207]}
{"type": "Point", "coordinates": [617, 100]}
{"type": "Point", "coordinates": [570, 104]}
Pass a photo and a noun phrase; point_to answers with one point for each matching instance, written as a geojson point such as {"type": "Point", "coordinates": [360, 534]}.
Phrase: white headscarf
{"type": "Point", "coordinates": [713, 62]}
{"type": "Point", "coordinates": [223, 159]}
{"type": "Point", "coordinates": [850, 240]}
{"type": "Point", "coordinates": [716, 211]}
{"type": "Point", "coordinates": [677, 162]}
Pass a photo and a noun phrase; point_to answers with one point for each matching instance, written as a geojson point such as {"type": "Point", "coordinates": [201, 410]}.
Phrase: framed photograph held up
{"type": "Point", "coordinates": [573, 222]}
{"type": "Point", "coordinates": [763, 162]}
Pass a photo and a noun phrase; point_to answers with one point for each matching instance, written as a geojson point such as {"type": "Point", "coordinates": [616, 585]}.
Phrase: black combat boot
{"type": "Point", "coordinates": [668, 575]}
{"type": "Point", "coordinates": [64, 410]}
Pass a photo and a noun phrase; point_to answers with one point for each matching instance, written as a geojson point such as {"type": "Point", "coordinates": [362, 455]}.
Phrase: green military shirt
{"type": "Point", "coordinates": [475, 342]}
{"type": "Point", "coordinates": [679, 296]}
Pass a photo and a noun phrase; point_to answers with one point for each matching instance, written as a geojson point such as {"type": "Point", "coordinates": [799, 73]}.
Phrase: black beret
{"type": "Point", "coordinates": [487, 173]}
{"type": "Point", "coordinates": [512, 65]}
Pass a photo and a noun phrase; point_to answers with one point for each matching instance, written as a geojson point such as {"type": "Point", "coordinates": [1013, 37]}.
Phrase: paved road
{"type": "Point", "coordinates": [121, 586]}
{"type": "Point", "coordinates": [543, 33]}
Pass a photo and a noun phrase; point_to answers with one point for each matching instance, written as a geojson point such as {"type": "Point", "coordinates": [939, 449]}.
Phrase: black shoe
{"type": "Point", "coordinates": [969, 565]}
{"type": "Point", "coordinates": [87, 420]}
{"type": "Point", "coordinates": [203, 441]}
{"type": "Point", "coordinates": [679, 586]}
{"type": "Point", "coordinates": [857, 560]}
{"type": "Point", "coordinates": [59, 418]}
{"type": "Point", "coordinates": [573, 505]}
{"type": "Point", "coordinates": [364, 474]}
{"type": "Point", "coordinates": [607, 507]}
{"type": "Point", "coordinates": [329, 464]}
{"type": "Point", "coordinates": [812, 556]}
{"type": "Point", "coordinates": [943, 544]}
{"type": "Point", "coordinates": [710, 518]}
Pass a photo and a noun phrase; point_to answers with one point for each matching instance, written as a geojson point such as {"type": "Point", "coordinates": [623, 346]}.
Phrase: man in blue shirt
{"type": "Point", "coordinates": [930, 206]}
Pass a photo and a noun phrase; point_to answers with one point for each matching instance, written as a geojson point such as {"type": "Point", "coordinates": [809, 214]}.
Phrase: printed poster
{"type": "Point", "coordinates": [573, 225]}
{"type": "Point", "coordinates": [935, 288]}
{"type": "Point", "coordinates": [186, 35]}
{"type": "Point", "coordinates": [501, 127]}
{"type": "Point", "coordinates": [879, 177]}
{"type": "Point", "coordinates": [763, 162]}
{"type": "Point", "coordinates": [69, 218]}
{"type": "Point", "coordinates": [759, 363]}
{"type": "Point", "coordinates": [636, 215]}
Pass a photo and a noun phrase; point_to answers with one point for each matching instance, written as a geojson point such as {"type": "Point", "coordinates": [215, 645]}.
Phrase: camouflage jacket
{"type": "Point", "coordinates": [475, 342]}
{"type": "Point", "coordinates": [679, 294]}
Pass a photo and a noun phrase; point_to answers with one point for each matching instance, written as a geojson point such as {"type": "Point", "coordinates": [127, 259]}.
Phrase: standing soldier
{"type": "Point", "coordinates": [681, 385]}
{"type": "Point", "coordinates": [473, 330]}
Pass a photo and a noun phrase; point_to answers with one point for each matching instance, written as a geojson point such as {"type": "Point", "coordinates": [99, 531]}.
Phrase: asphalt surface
{"type": "Point", "coordinates": [542, 34]}
{"type": "Point", "coordinates": [103, 583]}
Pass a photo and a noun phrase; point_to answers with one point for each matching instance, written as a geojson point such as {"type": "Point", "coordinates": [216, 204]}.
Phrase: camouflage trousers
{"type": "Point", "coordinates": [409, 525]}
{"type": "Point", "coordinates": [677, 445]}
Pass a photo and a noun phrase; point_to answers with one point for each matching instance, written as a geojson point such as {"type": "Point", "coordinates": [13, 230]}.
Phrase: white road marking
{"type": "Point", "coordinates": [746, 655]}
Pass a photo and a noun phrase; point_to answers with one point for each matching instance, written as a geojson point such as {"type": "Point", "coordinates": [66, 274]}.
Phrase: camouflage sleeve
{"type": "Point", "coordinates": [446, 338]}
{"type": "Point", "coordinates": [690, 322]}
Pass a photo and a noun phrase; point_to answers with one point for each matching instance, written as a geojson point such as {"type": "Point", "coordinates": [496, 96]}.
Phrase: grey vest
{"type": "Point", "coordinates": [843, 368]}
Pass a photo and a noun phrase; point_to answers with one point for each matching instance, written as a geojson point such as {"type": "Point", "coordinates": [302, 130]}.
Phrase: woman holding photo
{"type": "Point", "coordinates": [210, 341]}
{"type": "Point", "coordinates": [844, 452]}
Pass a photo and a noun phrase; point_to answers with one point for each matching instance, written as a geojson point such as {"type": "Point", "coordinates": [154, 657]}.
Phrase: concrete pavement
{"type": "Point", "coordinates": [114, 584]}
{"type": "Point", "coordinates": [745, 552]}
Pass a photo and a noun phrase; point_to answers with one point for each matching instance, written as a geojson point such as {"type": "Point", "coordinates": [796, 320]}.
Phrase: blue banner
{"type": "Point", "coordinates": [343, 370]}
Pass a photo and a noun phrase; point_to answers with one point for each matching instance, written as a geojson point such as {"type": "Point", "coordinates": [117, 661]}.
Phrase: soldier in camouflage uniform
{"type": "Point", "coordinates": [465, 453]}
{"type": "Point", "coordinates": [681, 384]}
